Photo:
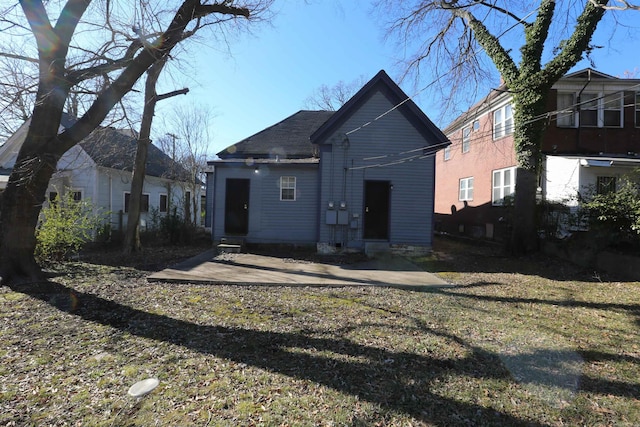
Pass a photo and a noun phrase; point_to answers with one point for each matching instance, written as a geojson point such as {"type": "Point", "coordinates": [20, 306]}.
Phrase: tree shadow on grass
{"type": "Point", "coordinates": [454, 292]}
{"type": "Point", "coordinates": [594, 385]}
{"type": "Point", "coordinates": [398, 381]}
{"type": "Point", "coordinates": [471, 256]}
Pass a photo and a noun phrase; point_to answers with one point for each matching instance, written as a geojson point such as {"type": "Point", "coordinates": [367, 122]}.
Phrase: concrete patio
{"type": "Point", "coordinates": [252, 269]}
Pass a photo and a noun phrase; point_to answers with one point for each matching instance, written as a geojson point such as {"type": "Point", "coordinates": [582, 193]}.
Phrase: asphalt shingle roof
{"type": "Point", "coordinates": [116, 149]}
{"type": "Point", "coordinates": [288, 139]}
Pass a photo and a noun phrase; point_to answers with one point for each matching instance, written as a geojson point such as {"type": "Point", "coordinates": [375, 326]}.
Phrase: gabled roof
{"type": "Point", "coordinates": [111, 148]}
{"type": "Point", "coordinates": [587, 73]}
{"type": "Point", "coordinates": [381, 82]}
{"type": "Point", "coordinates": [116, 149]}
{"type": "Point", "coordinates": [288, 139]}
{"type": "Point", "coordinates": [500, 93]}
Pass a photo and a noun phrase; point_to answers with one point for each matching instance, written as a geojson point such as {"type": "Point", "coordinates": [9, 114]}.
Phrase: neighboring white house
{"type": "Point", "coordinates": [567, 176]}
{"type": "Point", "coordinates": [99, 169]}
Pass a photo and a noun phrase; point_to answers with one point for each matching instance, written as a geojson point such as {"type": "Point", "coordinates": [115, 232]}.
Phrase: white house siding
{"type": "Point", "coordinates": [561, 179]}
{"type": "Point", "coordinates": [105, 189]}
{"type": "Point", "coordinates": [411, 205]}
{"type": "Point", "coordinates": [564, 177]}
{"type": "Point", "coordinates": [154, 187]}
{"type": "Point", "coordinates": [75, 171]}
{"type": "Point", "coordinates": [271, 220]}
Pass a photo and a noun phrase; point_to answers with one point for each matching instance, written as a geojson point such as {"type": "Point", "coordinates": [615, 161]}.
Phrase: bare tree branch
{"type": "Point", "coordinates": [20, 57]}
{"type": "Point", "coordinates": [172, 94]}
{"type": "Point", "coordinates": [623, 5]}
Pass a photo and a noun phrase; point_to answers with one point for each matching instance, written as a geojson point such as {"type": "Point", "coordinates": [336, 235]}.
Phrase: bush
{"type": "Point", "coordinates": [65, 226]}
{"type": "Point", "coordinates": [175, 229]}
{"type": "Point", "coordinates": [615, 216]}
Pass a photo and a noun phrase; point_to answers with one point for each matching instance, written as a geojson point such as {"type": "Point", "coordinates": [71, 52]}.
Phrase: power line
{"type": "Point", "coordinates": [477, 136]}
{"type": "Point", "coordinates": [438, 78]}
{"type": "Point", "coordinates": [434, 148]}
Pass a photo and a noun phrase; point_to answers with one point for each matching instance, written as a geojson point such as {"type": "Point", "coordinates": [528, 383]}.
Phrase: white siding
{"type": "Point", "coordinates": [561, 179]}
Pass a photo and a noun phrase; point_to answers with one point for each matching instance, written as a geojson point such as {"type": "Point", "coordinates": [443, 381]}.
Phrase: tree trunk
{"type": "Point", "coordinates": [524, 238]}
{"type": "Point", "coordinates": [35, 164]}
{"type": "Point", "coordinates": [43, 146]}
{"type": "Point", "coordinates": [21, 205]}
{"type": "Point", "coordinates": [132, 241]}
{"type": "Point", "coordinates": [529, 106]}
{"type": "Point", "coordinates": [132, 236]}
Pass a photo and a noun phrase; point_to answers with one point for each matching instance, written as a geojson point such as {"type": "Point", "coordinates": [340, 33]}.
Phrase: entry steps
{"type": "Point", "coordinates": [230, 246]}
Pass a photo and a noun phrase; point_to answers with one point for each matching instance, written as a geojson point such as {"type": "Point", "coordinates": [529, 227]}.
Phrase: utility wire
{"type": "Point", "coordinates": [432, 149]}
{"type": "Point", "coordinates": [438, 78]}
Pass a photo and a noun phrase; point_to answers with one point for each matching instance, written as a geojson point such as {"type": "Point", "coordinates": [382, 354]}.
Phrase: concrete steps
{"type": "Point", "coordinates": [230, 246]}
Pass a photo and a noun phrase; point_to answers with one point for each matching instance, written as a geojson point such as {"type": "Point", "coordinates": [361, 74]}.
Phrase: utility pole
{"type": "Point", "coordinates": [173, 137]}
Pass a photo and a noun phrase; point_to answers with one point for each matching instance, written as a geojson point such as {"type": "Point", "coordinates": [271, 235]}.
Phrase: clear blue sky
{"type": "Point", "coordinates": [267, 76]}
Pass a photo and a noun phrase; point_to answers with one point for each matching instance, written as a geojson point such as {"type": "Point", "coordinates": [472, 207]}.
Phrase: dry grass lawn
{"type": "Point", "coordinates": [529, 341]}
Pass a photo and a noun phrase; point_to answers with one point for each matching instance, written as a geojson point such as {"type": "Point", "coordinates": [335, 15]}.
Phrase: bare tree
{"type": "Point", "coordinates": [331, 98]}
{"type": "Point", "coordinates": [17, 94]}
{"type": "Point", "coordinates": [69, 54]}
{"type": "Point", "coordinates": [151, 98]}
{"type": "Point", "coordinates": [457, 36]}
{"type": "Point", "coordinates": [189, 145]}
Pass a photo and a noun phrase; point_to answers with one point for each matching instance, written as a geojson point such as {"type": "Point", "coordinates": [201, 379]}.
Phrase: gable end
{"type": "Point", "coordinates": [383, 83]}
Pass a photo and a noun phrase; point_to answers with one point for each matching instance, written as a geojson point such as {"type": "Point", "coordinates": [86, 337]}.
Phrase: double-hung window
{"type": "Point", "coordinates": [76, 195]}
{"type": "Point", "coordinates": [466, 139]}
{"type": "Point", "coordinates": [612, 109]}
{"type": "Point", "coordinates": [163, 206]}
{"type": "Point", "coordinates": [447, 152]}
{"type": "Point", "coordinates": [589, 109]}
{"type": "Point", "coordinates": [566, 109]}
{"type": "Point", "coordinates": [597, 110]}
{"type": "Point", "coordinates": [466, 189]}
{"type": "Point", "coordinates": [502, 121]}
{"type": "Point", "coordinates": [144, 202]}
{"type": "Point", "coordinates": [287, 188]}
{"type": "Point", "coordinates": [504, 185]}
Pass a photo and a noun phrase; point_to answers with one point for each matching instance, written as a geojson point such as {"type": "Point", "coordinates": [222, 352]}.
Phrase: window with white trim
{"type": "Point", "coordinates": [447, 152]}
{"type": "Point", "coordinates": [287, 188]}
{"type": "Point", "coordinates": [144, 202]}
{"type": "Point", "coordinates": [466, 189]}
{"type": "Point", "coordinates": [566, 104]}
{"type": "Point", "coordinates": [589, 109]}
{"type": "Point", "coordinates": [76, 194]}
{"type": "Point", "coordinates": [503, 185]}
{"type": "Point", "coordinates": [466, 139]}
{"type": "Point", "coordinates": [502, 121]}
{"type": "Point", "coordinates": [163, 205]}
{"type": "Point", "coordinates": [612, 109]}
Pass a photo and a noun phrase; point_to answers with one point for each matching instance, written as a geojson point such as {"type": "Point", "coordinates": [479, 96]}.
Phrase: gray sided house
{"type": "Point", "coordinates": [358, 179]}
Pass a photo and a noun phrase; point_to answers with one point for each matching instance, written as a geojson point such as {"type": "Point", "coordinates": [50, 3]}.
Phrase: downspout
{"type": "Point", "coordinates": [345, 167]}
{"type": "Point", "coordinates": [579, 102]}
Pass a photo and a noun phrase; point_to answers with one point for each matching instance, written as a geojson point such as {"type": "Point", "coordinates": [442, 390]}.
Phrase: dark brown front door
{"type": "Point", "coordinates": [236, 207]}
{"type": "Point", "coordinates": [376, 209]}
